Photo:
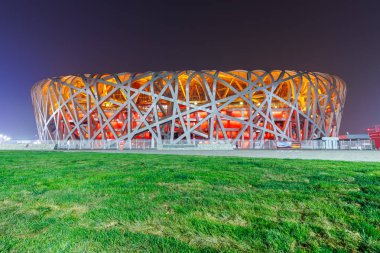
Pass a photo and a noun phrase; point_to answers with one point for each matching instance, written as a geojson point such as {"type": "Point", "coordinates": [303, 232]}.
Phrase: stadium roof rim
{"type": "Point", "coordinates": [263, 72]}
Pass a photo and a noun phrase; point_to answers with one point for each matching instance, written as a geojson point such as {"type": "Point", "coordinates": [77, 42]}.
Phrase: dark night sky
{"type": "Point", "coordinates": [41, 39]}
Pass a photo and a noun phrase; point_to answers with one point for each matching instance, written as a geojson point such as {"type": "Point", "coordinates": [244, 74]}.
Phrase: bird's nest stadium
{"type": "Point", "coordinates": [181, 106]}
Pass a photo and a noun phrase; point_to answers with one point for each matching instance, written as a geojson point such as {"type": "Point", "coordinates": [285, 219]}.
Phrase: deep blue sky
{"type": "Point", "coordinates": [41, 39]}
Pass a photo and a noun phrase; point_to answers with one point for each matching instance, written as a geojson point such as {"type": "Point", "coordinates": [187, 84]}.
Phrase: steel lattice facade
{"type": "Point", "coordinates": [180, 106]}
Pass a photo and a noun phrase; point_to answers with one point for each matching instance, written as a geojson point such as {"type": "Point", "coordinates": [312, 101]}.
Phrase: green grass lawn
{"type": "Point", "coordinates": [98, 202]}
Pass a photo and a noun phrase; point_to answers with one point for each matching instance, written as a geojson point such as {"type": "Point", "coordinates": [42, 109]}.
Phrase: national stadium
{"type": "Point", "coordinates": [182, 106]}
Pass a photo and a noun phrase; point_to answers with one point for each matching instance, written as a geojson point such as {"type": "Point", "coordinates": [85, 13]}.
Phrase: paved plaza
{"type": "Point", "coordinates": [342, 155]}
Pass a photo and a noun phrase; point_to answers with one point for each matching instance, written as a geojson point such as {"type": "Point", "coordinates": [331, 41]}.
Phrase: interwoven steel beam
{"type": "Point", "coordinates": [183, 105]}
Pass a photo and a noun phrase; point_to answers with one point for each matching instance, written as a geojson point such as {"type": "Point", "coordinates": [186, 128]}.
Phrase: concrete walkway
{"type": "Point", "coordinates": [339, 155]}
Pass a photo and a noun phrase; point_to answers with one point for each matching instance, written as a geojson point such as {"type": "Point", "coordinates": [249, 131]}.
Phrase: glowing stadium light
{"type": "Point", "coordinates": [4, 138]}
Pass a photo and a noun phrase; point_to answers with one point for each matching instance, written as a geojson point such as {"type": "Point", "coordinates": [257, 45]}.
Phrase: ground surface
{"type": "Point", "coordinates": [335, 155]}
{"type": "Point", "coordinates": [94, 202]}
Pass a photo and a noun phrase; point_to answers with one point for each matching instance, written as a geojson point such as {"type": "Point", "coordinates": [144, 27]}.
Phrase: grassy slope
{"type": "Point", "coordinates": [115, 202]}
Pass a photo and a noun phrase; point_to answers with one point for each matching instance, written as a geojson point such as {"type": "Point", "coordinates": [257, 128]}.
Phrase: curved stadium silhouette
{"type": "Point", "coordinates": [178, 106]}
